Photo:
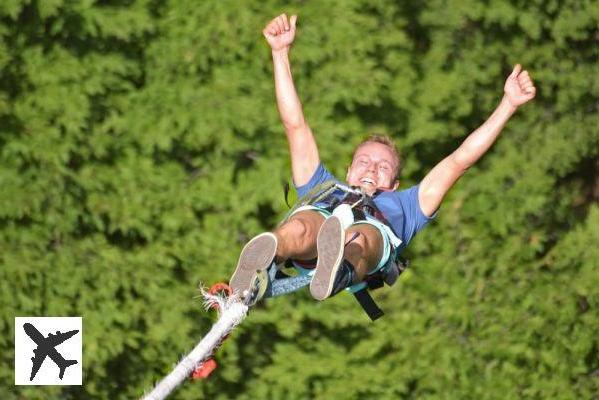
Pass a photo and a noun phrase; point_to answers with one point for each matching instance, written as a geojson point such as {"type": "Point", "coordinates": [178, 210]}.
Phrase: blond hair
{"type": "Point", "coordinates": [387, 141]}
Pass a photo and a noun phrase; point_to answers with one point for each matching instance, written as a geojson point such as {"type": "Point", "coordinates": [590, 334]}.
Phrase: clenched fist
{"type": "Point", "coordinates": [280, 32]}
{"type": "Point", "coordinates": [519, 88]}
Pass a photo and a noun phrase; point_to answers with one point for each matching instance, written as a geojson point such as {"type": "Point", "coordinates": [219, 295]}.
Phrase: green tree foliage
{"type": "Point", "coordinates": [140, 147]}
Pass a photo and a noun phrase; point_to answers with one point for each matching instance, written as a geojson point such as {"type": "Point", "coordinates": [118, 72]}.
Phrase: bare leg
{"type": "Point", "coordinates": [297, 236]}
{"type": "Point", "coordinates": [297, 240]}
{"type": "Point", "coordinates": [365, 251]}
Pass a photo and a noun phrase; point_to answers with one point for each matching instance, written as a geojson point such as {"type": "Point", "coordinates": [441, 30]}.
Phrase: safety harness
{"type": "Point", "coordinates": [328, 196]}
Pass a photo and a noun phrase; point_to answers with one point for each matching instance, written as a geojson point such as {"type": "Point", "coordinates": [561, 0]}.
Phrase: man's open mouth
{"type": "Point", "coordinates": [367, 181]}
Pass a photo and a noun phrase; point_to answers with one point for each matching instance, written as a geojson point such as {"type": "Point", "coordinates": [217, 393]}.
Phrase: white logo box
{"type": "Point", "coordinates": [70, 349]}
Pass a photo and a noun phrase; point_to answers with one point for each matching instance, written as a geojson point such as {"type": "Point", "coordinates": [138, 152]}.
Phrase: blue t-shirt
{"type": "Point", "coordinates": [400, 208]}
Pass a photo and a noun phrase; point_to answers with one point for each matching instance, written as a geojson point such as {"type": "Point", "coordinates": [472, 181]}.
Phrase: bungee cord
{"type": "Point", "coordinates": [232, 311]}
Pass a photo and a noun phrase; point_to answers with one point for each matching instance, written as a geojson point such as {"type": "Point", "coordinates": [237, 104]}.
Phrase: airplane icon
{"type": "Point", "coordinates": [46, 347]}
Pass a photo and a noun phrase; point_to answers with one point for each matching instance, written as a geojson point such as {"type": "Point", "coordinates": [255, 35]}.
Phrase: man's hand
{"type": "Point", "coordinates": [519, 88]}
{"type": "Point", "coordinates": [280, 32]}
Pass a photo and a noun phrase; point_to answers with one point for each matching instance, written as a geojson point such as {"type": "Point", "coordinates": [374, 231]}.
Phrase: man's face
{"type": "Point", "coordinates": [372, 168]}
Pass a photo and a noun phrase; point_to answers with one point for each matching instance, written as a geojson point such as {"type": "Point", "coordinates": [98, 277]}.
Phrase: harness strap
{"type": "Point", "coordinates": [286, 190]}
{"type": "Point", "coordinates": [368, 304]}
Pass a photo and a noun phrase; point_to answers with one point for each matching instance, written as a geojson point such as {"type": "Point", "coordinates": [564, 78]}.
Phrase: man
{"type": "Point", "coordinates": [347, 255]}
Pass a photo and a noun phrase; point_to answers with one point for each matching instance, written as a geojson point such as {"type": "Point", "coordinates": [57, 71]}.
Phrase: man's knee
{"type": "Point", "coordinates": [365, 236]}
{"type": "Point", "coordinates": [305, 223]}
{"type": "Point", "coordinates": [293, 227]}
{"type": "Point", "coordinates": [365, 242]}
{"type": "Point", "coordinates": [297, 236]}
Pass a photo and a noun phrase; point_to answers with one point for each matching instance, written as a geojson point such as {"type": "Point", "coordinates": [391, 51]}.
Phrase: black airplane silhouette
{"type": "Point", "coordinates": [46, 347]}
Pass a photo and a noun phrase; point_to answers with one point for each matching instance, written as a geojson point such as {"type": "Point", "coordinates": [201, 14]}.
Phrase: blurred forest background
{"type": "Point", "coordinates": [140, 148]}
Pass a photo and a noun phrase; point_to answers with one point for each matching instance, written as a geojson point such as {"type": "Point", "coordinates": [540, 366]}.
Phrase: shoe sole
{"type": "Point", "coordinates": [256, 255]}
{"type": "Point", "coordinates": [329, 245]}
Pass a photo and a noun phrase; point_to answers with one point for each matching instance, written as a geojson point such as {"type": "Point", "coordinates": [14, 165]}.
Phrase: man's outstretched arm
{"type": "Point", "coordinates": [280, 33]}
{"type": "Point", "coordinates": [518, 90]}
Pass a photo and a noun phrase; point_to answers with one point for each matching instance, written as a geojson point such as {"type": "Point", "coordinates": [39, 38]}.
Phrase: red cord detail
{"type": "Point", "coordinates": [219, 287]}
{"type": "Point", "coordinates": [204, 370]}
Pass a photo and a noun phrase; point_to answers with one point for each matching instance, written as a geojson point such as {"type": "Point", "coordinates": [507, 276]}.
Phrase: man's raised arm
{"type": "Point", "coordinates": [518, 90]}
{"type": "Point", "coordinates": [280, 33]}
